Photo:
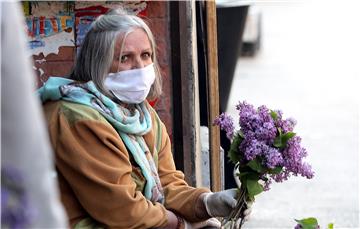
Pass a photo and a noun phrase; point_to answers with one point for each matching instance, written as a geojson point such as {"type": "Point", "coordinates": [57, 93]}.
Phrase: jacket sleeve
{"type": "Point", "coordinates": [94, 161]}
{"type": "Point", "coordinates": [179, 196]}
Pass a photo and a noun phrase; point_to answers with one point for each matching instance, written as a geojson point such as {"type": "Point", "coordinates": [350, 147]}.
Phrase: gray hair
{"type": "Point", "coordinates": [97, 50]}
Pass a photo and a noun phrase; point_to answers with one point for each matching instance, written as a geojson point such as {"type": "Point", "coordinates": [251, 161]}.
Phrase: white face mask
{"type": "Point", "coordinates": [131, 86]}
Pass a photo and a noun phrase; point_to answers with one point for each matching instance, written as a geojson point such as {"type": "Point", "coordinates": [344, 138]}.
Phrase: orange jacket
{"type": "Point", "coordinates": [98, 178]}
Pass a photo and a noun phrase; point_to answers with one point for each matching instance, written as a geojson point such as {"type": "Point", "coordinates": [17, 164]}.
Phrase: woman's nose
{"type": "Point", "coordinates": [138, 63]}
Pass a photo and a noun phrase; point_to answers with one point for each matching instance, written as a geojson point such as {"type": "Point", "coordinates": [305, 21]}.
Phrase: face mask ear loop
{"type": "Point", "coordinates": [122, 48]}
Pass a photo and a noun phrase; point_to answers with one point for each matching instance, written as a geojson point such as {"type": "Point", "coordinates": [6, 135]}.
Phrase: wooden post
{"type": "Point", "coordinates": [185, 88]}
{"type": "Point", "coordinates": [213, 96]}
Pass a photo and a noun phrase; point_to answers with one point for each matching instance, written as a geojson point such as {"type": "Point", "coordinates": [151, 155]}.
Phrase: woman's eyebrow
{"type": "Point", "coordinates": [126, 52]}
{"type": "Point", "coordinates": [129, 52]}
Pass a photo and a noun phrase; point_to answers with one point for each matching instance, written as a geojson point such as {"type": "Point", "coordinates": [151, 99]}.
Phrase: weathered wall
{"type": "Point", "coordinates": [158, 13]}
{"type": "Point", "coordinates": [56, 29]}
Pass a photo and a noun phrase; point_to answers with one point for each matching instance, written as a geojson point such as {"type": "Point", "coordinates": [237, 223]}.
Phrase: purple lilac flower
{"type": "Point", "coordinates": [225, 123]}
{"type": "Point", "coordinates": [266, 132]}
{"type": "Point", "coordinates": [307, 171]}
{"type": "Point", "coordinates": [266, 182]}
{"type": "Point", "coordinates": [294, 154]}
{"type": "Point", "coordinates": [273, 158]}
{"type": "Point", "coordinates": [259, 130]}
{"type": "Point", "coordinates": [256, 123]}
{"type": "Point", "coordinates": [267, 185]}
{"type": "Point", "coordinates": [286, 125]}
{"type": "Point", "coordinates": [283, 176]}
{"type": "Point", "coordinates": [264, 113]}
{"type": "Point", "coordinates": [252, 148]}
{"type": "Point", "coordinates": [245, 107]}
{"type": "Point", "coordinates": [293, 151]}
{"type": "Point", "coordinates": [247, 115]}
{"type": "Point", "coordinates": [16, 211]}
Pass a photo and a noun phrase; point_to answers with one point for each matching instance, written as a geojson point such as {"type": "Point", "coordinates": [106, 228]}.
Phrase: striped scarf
{"type": "Point", "coordinates": [131, 126]}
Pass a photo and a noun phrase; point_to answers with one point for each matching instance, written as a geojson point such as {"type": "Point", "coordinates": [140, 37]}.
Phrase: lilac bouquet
{"type": "Point", "coordinates": [265, 149]}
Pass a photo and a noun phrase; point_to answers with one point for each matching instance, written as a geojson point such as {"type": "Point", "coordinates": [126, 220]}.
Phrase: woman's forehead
{"type": "Point", "coordinates": [136, 39]}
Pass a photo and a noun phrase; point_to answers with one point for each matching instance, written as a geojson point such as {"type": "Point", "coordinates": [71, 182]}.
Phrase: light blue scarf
{"type": "Point", "coordinates": [129, 126]}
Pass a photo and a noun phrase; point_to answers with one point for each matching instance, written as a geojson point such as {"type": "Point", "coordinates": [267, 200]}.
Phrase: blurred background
{"type": "Point", "coordinates": [302, 57]}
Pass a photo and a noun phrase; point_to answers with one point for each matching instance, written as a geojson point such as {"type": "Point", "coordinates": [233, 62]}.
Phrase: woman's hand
{"type": "Point", "coordinates": [220, 204]}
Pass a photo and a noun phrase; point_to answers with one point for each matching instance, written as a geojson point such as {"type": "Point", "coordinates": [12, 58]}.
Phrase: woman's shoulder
{"type": "Point", "coordinates": [73, 112]}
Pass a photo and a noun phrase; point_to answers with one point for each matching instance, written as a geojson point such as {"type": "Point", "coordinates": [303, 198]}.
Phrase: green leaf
{"type": "Point", "coordinates": [277, 142]}
{"type": "Point", "coordinates": [273, 115]}
{"type": "Point", "coordinates": [281, 140]}
{"type": "Point", "coordinates": [311, 221]}
{"type": "Point", "coordinates": [233, 153]}
{"type": "Point", "coordinates": [256, 166]}
{"type": "Point", "coordinates": [254, 188]}
{"type": "Point", "coordinates": [243, 174]}
{"type": "Point", "coordinates": [233, 157]}
{"type": "Point", "coordinates": [250, 175]}
{"type": "Point", "coordinates": [308, 223]}
{"type": "Point", "coordinates": [276, 170]}
{"type": "Point", "coordinates": [330, 226]}
{"type": "Point", "coordinates": [286, 137]}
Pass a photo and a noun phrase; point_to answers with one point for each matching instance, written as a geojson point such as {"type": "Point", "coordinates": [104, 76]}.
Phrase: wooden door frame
{"type": "Point", "coordinates": [186, 134]}
{"type": "Point", "coordinates": [213, 97]}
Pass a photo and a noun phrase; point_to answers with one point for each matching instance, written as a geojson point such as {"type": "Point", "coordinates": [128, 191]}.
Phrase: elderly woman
{"type": "Point", "coordinates": [113, 154]}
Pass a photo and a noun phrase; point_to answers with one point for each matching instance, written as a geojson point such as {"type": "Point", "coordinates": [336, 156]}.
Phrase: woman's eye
{"type": "Point", "coordinates": [146, 55]}
{"type": "Point", "coordinates": [124, 58]}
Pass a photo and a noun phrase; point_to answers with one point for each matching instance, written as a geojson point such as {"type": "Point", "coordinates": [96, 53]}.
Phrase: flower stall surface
{"type": "Point", "coordinates": [264, 149]}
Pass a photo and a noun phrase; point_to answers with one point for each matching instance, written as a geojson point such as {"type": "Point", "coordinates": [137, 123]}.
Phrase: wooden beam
{"type": "Point", "coordinates": [185, 89]}
{"type": "Point", "coordinates": [213, 96]}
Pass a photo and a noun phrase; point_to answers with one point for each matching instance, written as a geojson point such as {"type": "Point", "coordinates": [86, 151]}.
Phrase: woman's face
{"type": "Point", "coordinates": [137, 52]}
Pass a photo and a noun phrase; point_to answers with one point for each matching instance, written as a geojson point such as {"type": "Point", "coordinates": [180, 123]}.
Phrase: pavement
{"type": "Point", "coordinates": [307, 67]}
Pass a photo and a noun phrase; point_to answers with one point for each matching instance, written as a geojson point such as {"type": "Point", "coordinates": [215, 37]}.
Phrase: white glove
{"type": "Point", "coordinates": [248, 210]}
{"type": "Point", "coordinates": [220, 204]}
{"type": "Point", "coordinates": [212, 222]}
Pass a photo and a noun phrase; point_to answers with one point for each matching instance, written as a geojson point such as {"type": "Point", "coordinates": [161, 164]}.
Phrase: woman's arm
{"type": "Point", "coordinates": [179, 197]}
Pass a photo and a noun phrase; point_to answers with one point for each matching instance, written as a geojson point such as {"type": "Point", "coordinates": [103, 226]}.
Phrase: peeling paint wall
{"type": "Point", "coordinates": [56, 30]}
{"type": "Point", "coordinates": [50, 26]}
